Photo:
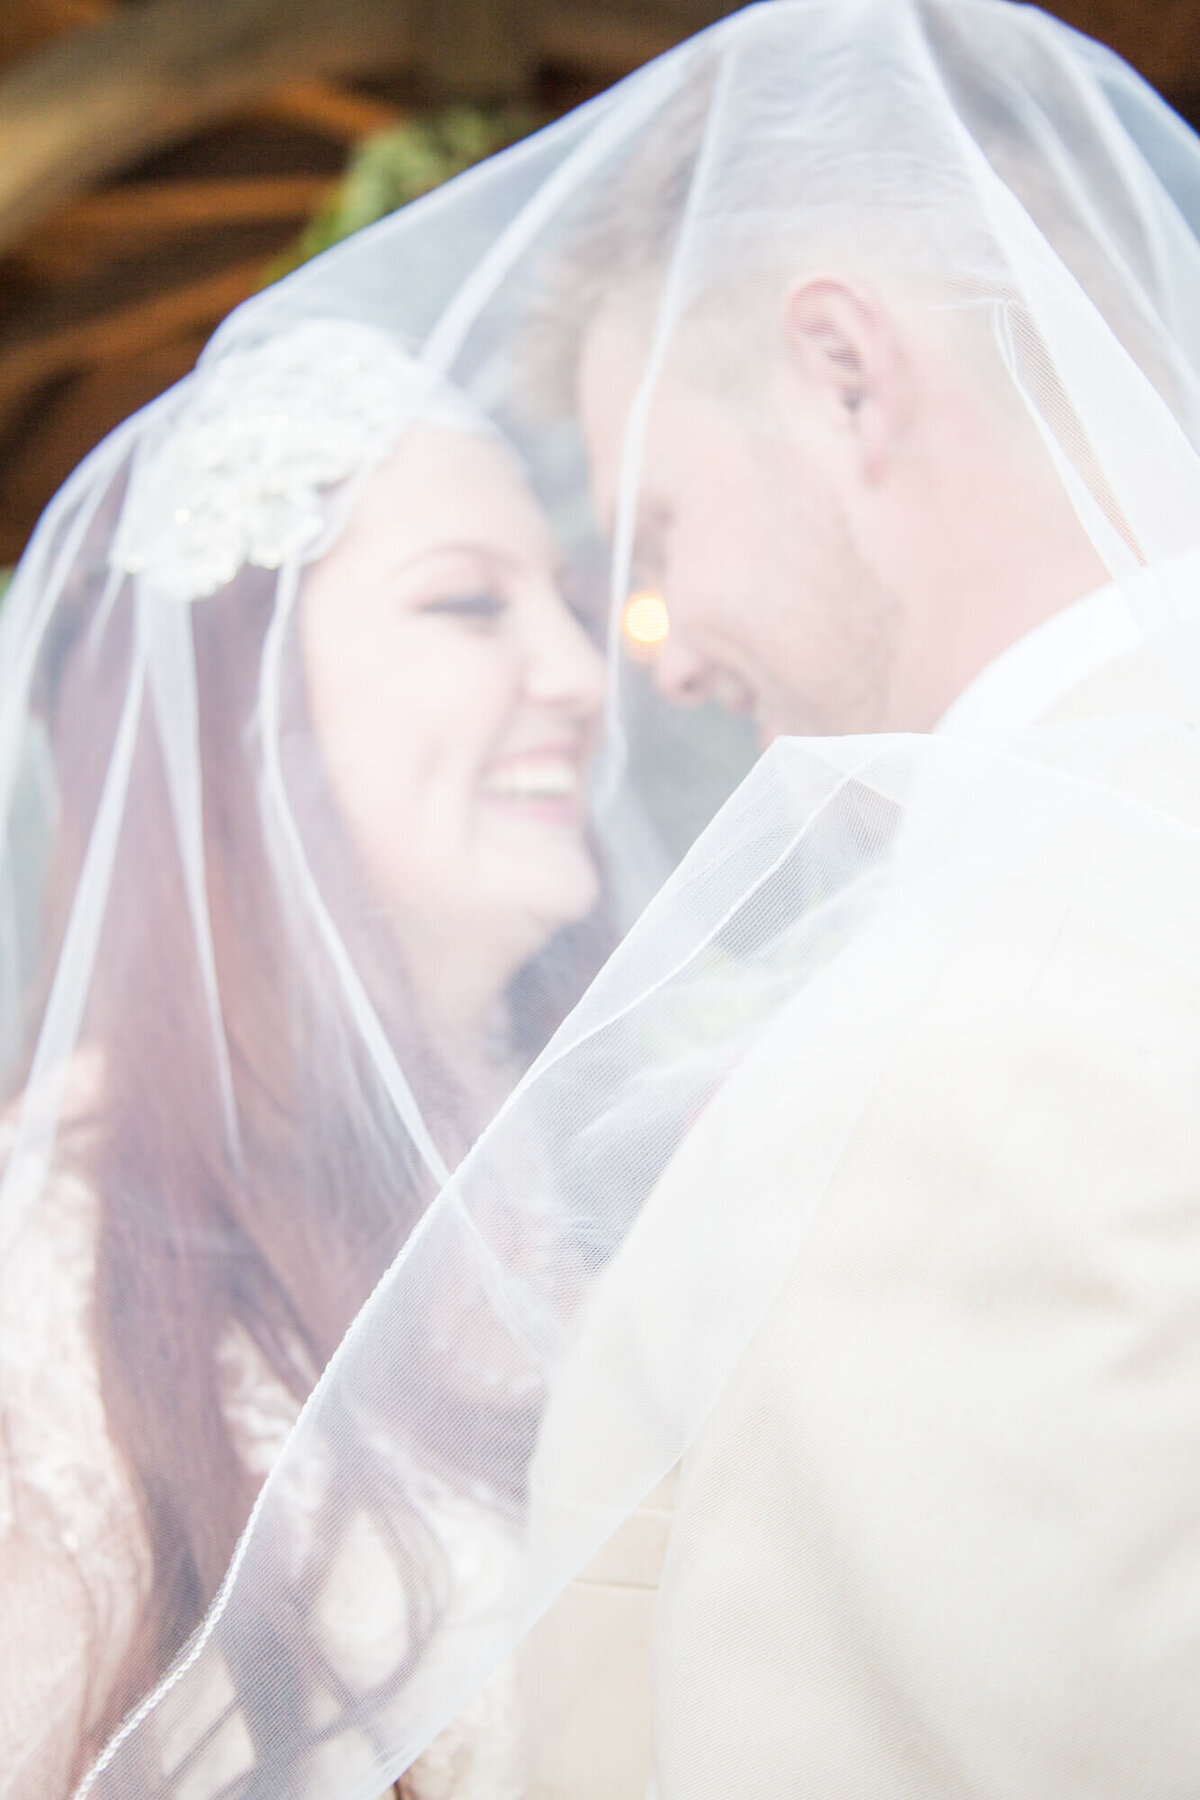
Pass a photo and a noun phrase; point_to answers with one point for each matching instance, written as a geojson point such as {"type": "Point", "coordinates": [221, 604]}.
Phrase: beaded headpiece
{"type": "Point", "coordinates": [236, 475]}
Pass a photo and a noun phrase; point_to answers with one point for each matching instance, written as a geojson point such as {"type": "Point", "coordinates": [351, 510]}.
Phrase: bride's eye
{"type": "Point", "coordinates": [480, 608]}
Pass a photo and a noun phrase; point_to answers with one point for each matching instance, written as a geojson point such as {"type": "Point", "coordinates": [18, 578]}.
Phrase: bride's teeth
{"type": "Point", "coordinates": [535, 781]}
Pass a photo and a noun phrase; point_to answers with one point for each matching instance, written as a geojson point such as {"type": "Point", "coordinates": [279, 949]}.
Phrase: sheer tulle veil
{"type": "Point", "coordinates": [507, 1369]}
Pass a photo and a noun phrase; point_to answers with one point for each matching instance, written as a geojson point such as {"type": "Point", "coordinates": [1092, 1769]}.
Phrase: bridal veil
{"type": "Point", "coordinates": [459, 1456]}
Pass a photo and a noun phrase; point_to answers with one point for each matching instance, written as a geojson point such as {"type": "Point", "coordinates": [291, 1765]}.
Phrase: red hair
{"type": "Point", "coordinates": [283, 1238]}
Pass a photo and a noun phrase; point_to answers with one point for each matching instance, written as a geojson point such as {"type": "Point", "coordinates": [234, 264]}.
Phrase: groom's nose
{"type": "Point", "coordinates": [679, 674]}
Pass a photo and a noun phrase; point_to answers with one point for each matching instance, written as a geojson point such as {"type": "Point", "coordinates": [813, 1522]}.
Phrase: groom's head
{"type": "Point", "coordinates": [843, 497]}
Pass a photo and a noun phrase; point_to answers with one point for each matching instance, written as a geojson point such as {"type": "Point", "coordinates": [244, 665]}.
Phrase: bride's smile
{"type": "Point", "coordinates": [545, 783]}
{"type": "Point", "coordinates": [457, 700]}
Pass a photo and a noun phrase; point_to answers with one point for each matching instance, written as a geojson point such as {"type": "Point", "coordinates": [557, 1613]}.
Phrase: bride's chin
{"type": "Point", "coordinates": [549, 907]}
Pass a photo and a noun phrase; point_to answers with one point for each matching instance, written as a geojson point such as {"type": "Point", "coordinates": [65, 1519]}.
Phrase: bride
{"type": "Point", "coordinates": [294, 743]}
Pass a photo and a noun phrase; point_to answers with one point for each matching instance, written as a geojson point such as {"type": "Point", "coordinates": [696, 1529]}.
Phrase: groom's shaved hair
{"type": "Point", "coordinates": [734, 192]}
{"type": "Point", "coordinates": [621, 248]}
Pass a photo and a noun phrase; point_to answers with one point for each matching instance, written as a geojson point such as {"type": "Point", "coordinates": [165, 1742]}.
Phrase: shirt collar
{"type": "Point", "coordinates": [1023, 683]}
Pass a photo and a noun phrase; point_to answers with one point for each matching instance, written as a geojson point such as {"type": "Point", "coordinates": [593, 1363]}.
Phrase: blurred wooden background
{"type": "Point", "coordinates": [155, 155]}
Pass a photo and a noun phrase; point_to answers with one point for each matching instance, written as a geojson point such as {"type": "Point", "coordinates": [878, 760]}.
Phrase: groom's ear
{"type": "Point", "coordinates": [844, 347]}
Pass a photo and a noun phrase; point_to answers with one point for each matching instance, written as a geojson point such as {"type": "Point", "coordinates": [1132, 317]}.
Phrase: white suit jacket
{"type": "Point", "coordinates": [940, 1537]}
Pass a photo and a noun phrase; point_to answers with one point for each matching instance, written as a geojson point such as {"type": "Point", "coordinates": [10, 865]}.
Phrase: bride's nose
{"type": "Point", "coordinates": [563, 667]}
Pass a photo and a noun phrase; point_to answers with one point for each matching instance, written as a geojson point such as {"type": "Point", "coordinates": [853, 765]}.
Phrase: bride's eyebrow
{"type": "Point", "coordinates": [434, 552]}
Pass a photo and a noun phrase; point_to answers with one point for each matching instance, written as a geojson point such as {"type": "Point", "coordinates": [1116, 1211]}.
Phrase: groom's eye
{"type": "Point", "coordinates": [646, 563]}
{"type": "Point", "coordinates": [585, 596]}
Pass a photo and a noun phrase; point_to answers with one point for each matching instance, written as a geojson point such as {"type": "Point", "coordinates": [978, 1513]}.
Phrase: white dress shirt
{"type": "Point", "coordinates": [1025, 682]}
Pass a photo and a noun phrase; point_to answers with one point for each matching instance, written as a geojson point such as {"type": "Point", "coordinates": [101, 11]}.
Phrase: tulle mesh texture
{"type": "Point", "coordinates": [495, 1338]}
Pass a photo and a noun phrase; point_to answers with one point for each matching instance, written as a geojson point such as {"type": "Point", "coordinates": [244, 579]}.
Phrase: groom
{"type": "Point", "coordinates": [941, 1535]}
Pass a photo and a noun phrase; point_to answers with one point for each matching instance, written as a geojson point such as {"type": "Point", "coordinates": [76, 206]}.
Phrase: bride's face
{"type": "Point", "coordinates": [456, 702]}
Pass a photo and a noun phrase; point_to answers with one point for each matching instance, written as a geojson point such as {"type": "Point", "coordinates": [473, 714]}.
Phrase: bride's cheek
{"type": "Point", "coordinates": [486, 694]}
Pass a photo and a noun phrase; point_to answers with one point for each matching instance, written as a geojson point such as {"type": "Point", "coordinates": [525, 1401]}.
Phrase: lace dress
{"type": "Point", "coordinates": [75, 1567]}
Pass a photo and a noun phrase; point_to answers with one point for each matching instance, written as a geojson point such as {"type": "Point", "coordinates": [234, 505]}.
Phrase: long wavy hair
{"type": "Point", "coordinates": [281, 1236]}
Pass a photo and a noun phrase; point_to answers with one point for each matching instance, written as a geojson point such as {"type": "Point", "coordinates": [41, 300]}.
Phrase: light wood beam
{"type": "Point", "coordinates": [129, 219]}
{"type": "Point", "coordinates": [95, 101]}
{"type": "Point", "coordinates": [26, 24]}
{"type": "Point", "coordinates": [335, 112]}
{"type": "Point", "coordinates": [27, 362]}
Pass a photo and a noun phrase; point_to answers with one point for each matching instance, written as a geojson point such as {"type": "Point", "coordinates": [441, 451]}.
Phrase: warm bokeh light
{"type": "Point", "coordinates": [645, 624]}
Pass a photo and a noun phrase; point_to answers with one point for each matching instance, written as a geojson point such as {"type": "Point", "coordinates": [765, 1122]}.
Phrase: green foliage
{"type": "Point", "coordinates": [387, 171]}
